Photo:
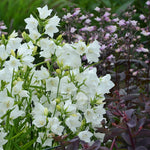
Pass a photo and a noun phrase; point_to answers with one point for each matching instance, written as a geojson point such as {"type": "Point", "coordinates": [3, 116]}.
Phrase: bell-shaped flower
{"type": "Point", "coordinates": [85, 136]}
{"type": "Point", "coordinates": [93, 52]}
{"type": "Point", "coordinates": [73, 122]}
{"type": "Point", "coordinates": [44, 12]}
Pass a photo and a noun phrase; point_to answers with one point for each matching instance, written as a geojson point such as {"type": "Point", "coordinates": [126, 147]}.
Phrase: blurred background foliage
{"type": "Point", "coordinates": [13, 12]}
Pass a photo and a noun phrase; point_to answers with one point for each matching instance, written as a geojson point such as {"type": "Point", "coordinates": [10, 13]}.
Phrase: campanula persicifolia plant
{"type": "Point", "coordinates": [46, 93]}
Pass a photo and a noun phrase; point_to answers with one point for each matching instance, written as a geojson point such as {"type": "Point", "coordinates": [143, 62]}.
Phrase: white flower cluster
{"type": "Point", "coordinates": [59, 97]}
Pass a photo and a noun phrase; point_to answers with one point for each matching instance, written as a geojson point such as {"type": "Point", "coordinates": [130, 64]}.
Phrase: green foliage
{"type": "Point", "coordinates": [14, 12]}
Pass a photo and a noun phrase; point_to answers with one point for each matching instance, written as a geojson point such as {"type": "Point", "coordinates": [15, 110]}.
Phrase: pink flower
{"type": "Point", "coordinates": [135, 73]}
{"type": "Point", "coordinates": [67, 16]}
{"type": "Point", "coordinates": [121, 22]}
{"type": "Point", "coordinates": [103, 47]}
{"type": "Point", "coordinates": [107, 35]}
{"type": "Point", "coordinates": [148, 3]}
{"type": "Point", "coordinates": [72, 30]}
{"type": "Point", "coordinates": [146, 33]}
{"type": "Point", "coordinates": [110, 58]}
{"type": "Point", "coordinates": [142, 17]}
{"type": "Point", "coordinates": [98, 19]}
{"type": "Point", "coordinates": [88, 28]}
{"type": "Point", "coordinates": [87, 21]}
{"type": "Point", "coordinates": [133, 22]}
{"type": "Point", "coordinates": [77, 11]}
{"type": "Point", "coordinates": [97, 9]}
{"type": "Point", "coordinates": [83, 17]}
{"type": "Point", "coordinates": [142, 49]}
{"type": "Point", "coordinates": [115, 19]}
{"type": "Point", "coordinates": [112, 28]}
{"type": "Point", "coordinates": [106, 14]}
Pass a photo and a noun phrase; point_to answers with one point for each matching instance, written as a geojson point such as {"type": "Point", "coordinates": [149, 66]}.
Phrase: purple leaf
{"type": "Point", "coordinates": [96, 145]}
{"type": "Point", "coordinates": [132, 123]}
{"type": "Point", "coordinates": [141, 122]}
{"type": "Point", "coordinates": [129, 113]}
{"type": "Point", "coordinates": [74, 144]}
{"type": "Point", "coordinates": [141, 148]}
{"type": "Point", "coordinates": [126, 137]}
{"type": "Point", "coordinates": [143, 133]}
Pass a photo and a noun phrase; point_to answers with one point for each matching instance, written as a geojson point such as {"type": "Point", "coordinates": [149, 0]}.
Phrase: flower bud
{"type": "Point", "coordinates": [57, 100]}
{"type": "Point", "coordinates": [58, 71]}
{"type": "Point", "coordinates": [19, 79]}
{"type": "Point", "coordinates": [58, 107]}
{"type": "Point", "coordinates": [15, 82]}
{"type": "Point", "coordinates": [13, 53]}
{"type": "Point", "coordinates": [45, 111]}
{"type": "Point", "coordinates": [66, 73]}
{"type": "Point", "coordinates": [26, 36]}
{"type": "Point", "coordinates": [34, 50]}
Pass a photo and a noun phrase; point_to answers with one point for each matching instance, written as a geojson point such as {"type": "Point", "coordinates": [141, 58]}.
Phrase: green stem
{"type": "Point", "coordinates": [41, 63]}
{"type": "Point", "coordinates": [92, 65]}
{"type": "Point", "coordinates": [57, 93]}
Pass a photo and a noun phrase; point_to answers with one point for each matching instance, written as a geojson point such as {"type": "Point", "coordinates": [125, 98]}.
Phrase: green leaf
{"type": "Point", "coordinates": [107, 3]}
{"type": "Point", "coordinates": [24, 147]}
{"type": "Point", "coordinates": [18, 134]}
{"type": "Point", "coordinates": [124, 7]}
{"type": "Point", "coordinates": [17, 147]}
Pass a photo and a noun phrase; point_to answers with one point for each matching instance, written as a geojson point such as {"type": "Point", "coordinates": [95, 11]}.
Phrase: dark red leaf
{"type": "Point", "coordinates": [126, 137]}
{"type": "Point", "coordinates": [129, 113]}
{"type": "Point", "coordinates": [132, 122]}
{"type": "Point", "coordinates": [141, 148]}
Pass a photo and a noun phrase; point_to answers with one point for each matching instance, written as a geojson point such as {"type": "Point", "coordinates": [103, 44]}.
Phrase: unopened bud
{"type": "Point", "coordinates": [58, 71]}
{"type": "Point", "coordinates": [57, 100]}
{"type": "Point", "coordinates": [19, 79]}
{"type": "Point", "coordinates": [58, 107]}
{"type": "Point", "coordinates": [45, 111]}
{"type": "Point", "coordinates": [13, 53]}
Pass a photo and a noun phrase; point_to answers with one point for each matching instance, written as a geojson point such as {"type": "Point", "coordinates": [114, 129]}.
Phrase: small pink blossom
{"type": "Point", "coordinates": [131, 70]}
{"type": "Point", "coordinates": [87, 21]}
{"type": "Point", "coordinates": [147, 61]}
{"type": "Point", "coordinates": [112, 28]}
{"type": "Point", "coordinates": [97, 9]}
{"type": "Point", "coordinates": [91, 15]}
{"type": "Point", "coordinates": [108, 9]}
{"type": "Point", "coordinates": [106, 14]}
{"type": "Point", "coordinates": [103, 47]}
{"type": "Point", "coordinates": [77, 11]}
{"type": "Point", "coordinates": [110, 57]}
{"type": "Point", "coordinates": [67, 16]}
{"type": "Point", "coordinates": [72, 30]}
{"type": "Point", "coordinates": [88, 28]}
{"type": "Point", "coordinates": [142, 49]}
{"type": "Point", "coordinates": [98, 19]}
{"type": "Point", "coordinates": [107, 35]}
{"type": "Point", "coordinates": [118, 50]}
{"type": "Point", "coordinates": [79, 37]}
{"type": "Point", "coordinates": [83, 17]}
{"type": "Point", "coordinates": [148, 3]}
{"type": "Point", "coordinates": [115, 19]}
{"type": "Point", "coordinates": [107, 19]}
{"type": "Point", "coordinates": [146, 33]}
{"type": "Point", "coordinates": [121, 22]}
{"type": "Point", "coordinates": [135, 73]}
{"type": "Point", "coordinates": [133, 22]}
{"type": "Point", "coordinates": [142, 17]}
